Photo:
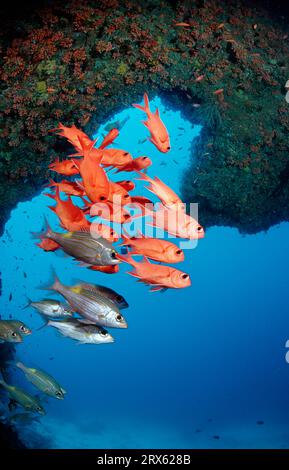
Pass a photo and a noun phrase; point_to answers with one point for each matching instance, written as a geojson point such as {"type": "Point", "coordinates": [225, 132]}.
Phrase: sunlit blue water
{"type": "Point", "coordinates": [195, 363]}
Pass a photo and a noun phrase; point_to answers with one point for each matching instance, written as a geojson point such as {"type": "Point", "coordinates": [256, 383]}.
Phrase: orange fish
{"type": "Point", "coordinates": [168, 197]}
{"type": "Point", "coordinates": [137, 164]}
{"type": "Point", "coordinates": [117, 194]}
{"type": "Point", "coordinates": [219, 92]}
{"type": "Point", "coordinates": [104, 231]}
{"type": "Point", "coordinates": [141, 202]}
{"type": "Point", "coordinates": [70, 188]}
{"type": "Point", "coordinates": [159, 134]}
{"type": "Point", "coordinates": [161, 277]}
{"type": "Point", "coordinates": [126, 184]}
{"type": "Point", "coordinates": [66, 167]}
{"type": "Point", "coordinates": [111, 212]}
{"type": "Point", "coordinates": [200, 78]}
{"type": "Point", "coordinates": [153, 248]}
{"type": "Point", "coordinates": [71, 216]}
{"type": "Point", "coordinates": [109, 138]}
{"type": "Point", "coordinates": [185, 25]}
{"type": "Point", "coordinates": [75, 136]}
{"type": "Point", "coordinates": [176, 223]}
{"type": "Point", "coordinates": [106, 269]}
{"type": "Point", "coordinates": [48, 245]}
{"type": "Point", "coordinates": [94, 179]}
{"type": "Point", "coordinates": [116, 158]}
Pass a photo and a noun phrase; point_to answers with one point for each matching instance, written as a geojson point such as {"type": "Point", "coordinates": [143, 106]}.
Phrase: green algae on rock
{"type": "Point", "coordinates": [81, 61]}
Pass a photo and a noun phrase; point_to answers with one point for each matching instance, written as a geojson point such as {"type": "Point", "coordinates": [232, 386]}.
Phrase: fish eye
{"type": "Point", "coordinates": [103, 333]}
{"type": "Point", "coordinates": [118, 317]}
{"type": "Point", "coordinates": [113, 255]}
{"type": "Point", "coordinates": [178, 252]}
{"type": "Point", "coordinates": [58, 394]}
{"type": "Point", "coordinates": [127, 181]}
{"type": "Point", "coordinates": [14, 334]}
{"type": "Point", "coordinates": [102, 198]}
{"type": "Point", "coordinates": [185, 276]}
{"type": "Point", "coordinates": [168, 148]}
{"type": "Point", "coordinates": [119, 298]}
{"type": "Point", "coordinates": [144, 158]}
{"type": "Point", "coordinates": [126, 153]}
{"type": "Point", "coordinates": [126, 216]}
{"type": "Point", "coordinates": [126, 196]}
{"type": "Point", "coordinates": [200, 228]}
{"type": "Point", "coordinates": [111, 232]}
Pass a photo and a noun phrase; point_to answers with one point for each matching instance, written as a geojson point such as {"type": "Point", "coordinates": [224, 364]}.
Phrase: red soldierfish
{"type": "Point", "coordinates": [159, 134]}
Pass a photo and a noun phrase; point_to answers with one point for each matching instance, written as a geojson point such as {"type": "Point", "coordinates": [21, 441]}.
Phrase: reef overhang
{"type": "Point", "coordinates": [224, 67]}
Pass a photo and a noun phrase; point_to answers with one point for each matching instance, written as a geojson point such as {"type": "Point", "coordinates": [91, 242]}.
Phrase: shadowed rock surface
{"type": "Point", "coordinates": [80, 62]}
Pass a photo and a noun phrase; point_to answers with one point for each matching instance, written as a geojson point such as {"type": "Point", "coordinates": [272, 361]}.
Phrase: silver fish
{"type": "Point", "coordinates": [110, 294]}
{"type": "Point", "coordinates": [9, 333]}
{"type": "Point", "coordinates": [82, 246]}
{"type": "Point", "coordinates": [43, 381]}
{"type": "Point", "coordinates": [84, 333]}
{"type": "Point", "coordinates": [23, 398]}
{"type": "Point", "coordinates": [20, 327]}
{"type": "Point", "coordinates": [51, 308]}
{"type": "Point", "coordinates": [91, 305]}
{"type": "Point", "coordinates": [23, 419]}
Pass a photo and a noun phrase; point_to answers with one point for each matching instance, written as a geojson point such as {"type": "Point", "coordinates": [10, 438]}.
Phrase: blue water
{"type": "Point", "coordinates": [194, 363]}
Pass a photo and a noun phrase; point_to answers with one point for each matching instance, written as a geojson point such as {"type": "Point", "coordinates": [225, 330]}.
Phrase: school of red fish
{"type": "Point", "coordinates": [90, 242]}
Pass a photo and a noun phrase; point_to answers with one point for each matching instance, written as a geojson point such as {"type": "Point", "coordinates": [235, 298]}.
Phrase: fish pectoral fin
{"type": "Point", "coordinates": [132, 273]}
{"type": "Point", "coordinates": [158, 288]}
{"type": "Point", "coordinates": [145, 123]}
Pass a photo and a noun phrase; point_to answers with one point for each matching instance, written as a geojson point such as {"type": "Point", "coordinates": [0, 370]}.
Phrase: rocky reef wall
{"type": "Point", "coordinates": [225, 67]}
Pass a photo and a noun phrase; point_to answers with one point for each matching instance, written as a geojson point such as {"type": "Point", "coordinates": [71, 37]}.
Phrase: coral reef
{"type": "Point", "coordinates": [81, 61]}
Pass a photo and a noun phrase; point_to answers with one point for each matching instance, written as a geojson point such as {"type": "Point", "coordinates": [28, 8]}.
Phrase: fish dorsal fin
{"type": "Point", "coordinates": [157, 113]}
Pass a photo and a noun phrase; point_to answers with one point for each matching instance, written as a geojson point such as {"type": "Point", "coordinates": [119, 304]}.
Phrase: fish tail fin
{"type": "Point", "coordinates": [46, 322]}
{"type": "Point", "coordinates": [55, 284]}
{"type": "Point", "coordinates": [127, 259]}
{"type": "Point", "coordinates": [20, 365]}
{"type": "Point", "coordinates": [46, 233]}
{"type": "Point", "coordinates": [146, 107]}
{"type": "Point", "coordinates": [51, 183]}
{"type": "Point", "coordinates": [28, 303]}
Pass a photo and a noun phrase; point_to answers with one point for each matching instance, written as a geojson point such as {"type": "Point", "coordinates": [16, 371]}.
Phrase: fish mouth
{"type": "Point", "coordinates": [123, 325]}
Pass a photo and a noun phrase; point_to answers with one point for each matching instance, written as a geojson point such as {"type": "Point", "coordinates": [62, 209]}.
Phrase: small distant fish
{"type": "Point", "coordinates": [198, 430]}
{"type": "Point", "coordinates": [199, 78]}
{"type": "Point", "coordinates": [219, 92]}
{"type": "Point", "coordinates": [142, 141]}
{"type": "Point", "coordinates": [181, 129]}
{"type": "Point", "coordinates": [24, 274]}
{"type": "Point", "coordinates": [175, 161]}
{"type": "Point", "coordinates": [163, 163]}
{"type": "Point", "coordinates": [216, 437]}
{"type": "Point", "coordinates": [260, 422]}
{"type": "Point", "coordinates": [84, 333]}
{"type": "Point", "coordinates": [185, 25]}
{"type": "Point", "coordinates": [181, 148]}
{"type": "Point", "coordinates": [9, 333]}
{"type": "Point", "coordinates": [51, 308]}
{"type": "Point", "coordinates": [43, 381]}
{"type": "Point", "coordinates": [10, 297]}
{"type": "Point", "coordinates": [23, 398]}
{"type": "Point", "coordinates": [116, 124]}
